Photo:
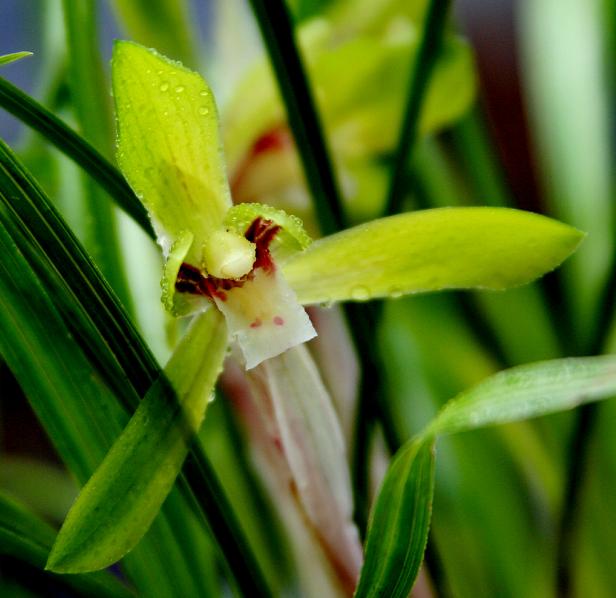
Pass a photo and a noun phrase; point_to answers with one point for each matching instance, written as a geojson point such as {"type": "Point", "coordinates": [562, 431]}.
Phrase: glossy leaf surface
{"type": "Point", "coordinates": [398, 527]}
{"type": "Point", "coordinates": [431, 250]}
{"type": "Point", "coordinates": [124, 495]}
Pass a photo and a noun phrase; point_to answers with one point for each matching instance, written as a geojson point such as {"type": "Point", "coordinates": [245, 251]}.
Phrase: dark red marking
{"type": "Point", "coordinates": [278, 321]}
{"type": "Point", "coordinates": [276, 139]}
{"type": "Point", "coordinates": [191, 280]}
{"type": "Point", "coordinates": [262, 232]}
{"type": "Point", "coordinates": [256, 323]}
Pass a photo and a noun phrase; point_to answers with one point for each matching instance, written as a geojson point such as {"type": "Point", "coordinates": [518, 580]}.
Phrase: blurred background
{"type": "Point", "coordinates": [539, 137]}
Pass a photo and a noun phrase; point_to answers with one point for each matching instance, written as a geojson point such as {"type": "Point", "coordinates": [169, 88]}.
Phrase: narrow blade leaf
{"type": "Point", "coordinates": [179, 174]}
{"type": "Point", "coordinates": [28, 538]}
{"type": "Point", "coordinates": [120, 501]}
{"type": "Point", "coordinates": [431, 250]}
{"type": "Point", "coordinates": [399, 523]}
{"type": "Point", "coordinates": [75, 147]}
{"type": "Point", "coordinates": [8, 58]}
{"type": "Point", "coordinates": [529, 391]}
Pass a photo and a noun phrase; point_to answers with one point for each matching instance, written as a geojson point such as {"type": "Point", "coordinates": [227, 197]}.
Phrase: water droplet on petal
{"type": "Point", "coordinates": [203, 93]}
{"type": "Point", "coordinates": [179, 89]}
{"type": "Point", "coordinates": [164, 86]}
{"type": "Point", "coordinates": [396, 292]}
{"type": "Point", "coordinates": [360, 293]}
{"type": "Point", "coordinates": [203, 110]}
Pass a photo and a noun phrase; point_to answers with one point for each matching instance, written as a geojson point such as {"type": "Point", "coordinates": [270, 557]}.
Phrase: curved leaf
{"type": "Point", "coordinates": [120, 501]}
{"type": "Point", "coordinates": [398, 528]}
{"type": "Point", "coordinates": [431, 250]}
{"type": "Point", "coordinates": [529, 391]}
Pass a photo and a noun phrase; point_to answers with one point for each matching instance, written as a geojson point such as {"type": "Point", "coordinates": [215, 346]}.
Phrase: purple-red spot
{"type": "Point", "coordinates": [256, 323]}
{"type": "Point", "coordinates": [278, 321]}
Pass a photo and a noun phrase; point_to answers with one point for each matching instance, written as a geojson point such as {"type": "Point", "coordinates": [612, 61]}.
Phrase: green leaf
{"type": "Point", "coordinates": [91, 107]}
{"type": "Point", "coordinates": [400, 519]}
{"type": "Point", "coordinates": [399, 522]}
{"type": "Point", "coordinates": [99, 324]}
{"type": "Point", "coordinates": [120, 501]}
{"type": "Point", "coordinates": [488, 248]}
{"type": "Point", "coordinates": [75, 147]}
{"type": "Point", "coordinates": [169, 146]}
{"type": "Point", "coordinates": [528, 391]}
{"type": "Point", "coordinates": [28, 538]}
{"type": "Point", "coordinates": [62, 362]}
{"type": "Point", "coordinates": [8, 58]}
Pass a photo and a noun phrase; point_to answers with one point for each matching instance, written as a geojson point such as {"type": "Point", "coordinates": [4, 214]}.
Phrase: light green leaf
{"type": "Point", "coordinates": [179, 172]}
{"type": "Point", "coordinates": [400, 519]}
{"type": "Point", "coordinates": [8, 58]}
{"type": "Point", "coordinates": [529, 391]}
{"type": "Point", "coordinates": [120, 501]}
{"type": "Point", "coordinates": [448, 248]}
{"type": "Point", "coordinates": [399, 522]}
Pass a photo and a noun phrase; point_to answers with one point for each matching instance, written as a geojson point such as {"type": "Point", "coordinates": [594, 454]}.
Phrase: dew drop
{"type": "Point", "coordinates": [203, 110]}
{"type": "Point", "coordinates": [360, 293]}
{"type": "Point", "coordinates": [203, 93]}
{"type": "Point", "coordinates": [396, 292]}
{"type": "Point", "coordinates": [164, 87]}
{"type": "Point", "coordinates": [179, 89]}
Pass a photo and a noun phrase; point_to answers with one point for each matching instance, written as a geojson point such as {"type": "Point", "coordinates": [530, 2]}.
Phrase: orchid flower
{"type": "Point", "coordinates": [246, 272]}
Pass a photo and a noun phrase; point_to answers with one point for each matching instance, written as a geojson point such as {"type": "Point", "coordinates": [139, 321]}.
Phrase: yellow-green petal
{"type": "Point", "coordinates": [179, 304]}
{"type": "Point", "coordinates": [431, 250]}
{"type": "Point", "coordinates": [169, 146]}
{"type": "Point", "coordinates": [119, 502]}
{"type": "Point", "coordinates": [291, 237]}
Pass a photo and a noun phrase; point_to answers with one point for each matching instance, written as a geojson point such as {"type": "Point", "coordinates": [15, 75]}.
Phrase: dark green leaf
{"type": "Point", "coordinates": [75, 147]}
{"type": "Point", "coordinates": [120, 501]}
{"type": "Point", "coordinates": [399, 523]}
{"type": "Point", "coordinates": [24, 536]}
{"type": "Point", "coordinates": [277, 31]}
{"type": "Point", "coordinates": [93, 312]}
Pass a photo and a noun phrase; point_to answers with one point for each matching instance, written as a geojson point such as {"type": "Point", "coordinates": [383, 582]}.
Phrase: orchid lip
{"type": "Point", "coordinates": [193, 280]}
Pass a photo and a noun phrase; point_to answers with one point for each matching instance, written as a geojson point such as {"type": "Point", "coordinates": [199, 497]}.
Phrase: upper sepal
{"type": "Point", "coordinates": [169, 146]}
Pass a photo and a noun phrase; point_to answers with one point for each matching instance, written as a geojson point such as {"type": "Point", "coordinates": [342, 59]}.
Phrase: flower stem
{"type": "Point", "coordinates": [277, 31]}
